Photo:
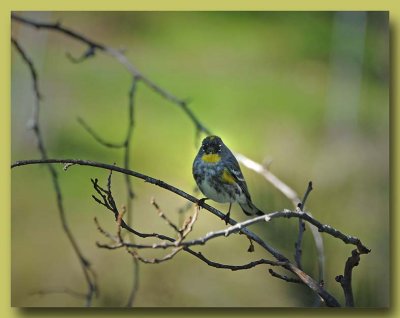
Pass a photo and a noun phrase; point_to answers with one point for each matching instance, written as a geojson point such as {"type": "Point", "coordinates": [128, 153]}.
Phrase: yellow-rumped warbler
{"type": "Point", "coordinates": [218, 175]}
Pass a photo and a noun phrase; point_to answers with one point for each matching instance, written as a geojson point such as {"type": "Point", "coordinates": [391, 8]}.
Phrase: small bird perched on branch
{"type": "Point", "coordinates": [218, 175]}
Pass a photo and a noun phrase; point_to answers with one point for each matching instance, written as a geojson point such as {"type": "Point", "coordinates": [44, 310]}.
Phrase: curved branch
{"type": "Point", "coordinates": [96, 137]}
{"type": "Point", "coordinates": [348, 239]}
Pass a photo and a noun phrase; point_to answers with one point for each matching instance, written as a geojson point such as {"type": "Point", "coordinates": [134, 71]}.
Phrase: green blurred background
{"type": "Point", "coordinates": [307, 90]}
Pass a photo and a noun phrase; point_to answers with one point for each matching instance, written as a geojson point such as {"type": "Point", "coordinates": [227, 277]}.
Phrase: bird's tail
{"type": "Point", "coordinates": [250, 209]}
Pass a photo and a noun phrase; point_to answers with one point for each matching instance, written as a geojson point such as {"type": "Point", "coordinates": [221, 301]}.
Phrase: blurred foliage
{"type": "Point", "coordinates": [260, 80]}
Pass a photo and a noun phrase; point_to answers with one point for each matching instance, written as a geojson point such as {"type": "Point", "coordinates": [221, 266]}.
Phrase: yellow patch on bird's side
{"type": "Point", "coordinates": [211, 158]}
{"type": "Point", "coordinates": [227, 177]}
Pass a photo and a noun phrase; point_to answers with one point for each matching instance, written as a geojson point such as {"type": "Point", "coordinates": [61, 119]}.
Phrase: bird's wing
{"type": "Point", "coordinates": [234, 169]}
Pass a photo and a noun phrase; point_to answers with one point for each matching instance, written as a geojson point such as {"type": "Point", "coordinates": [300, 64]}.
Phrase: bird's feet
{"type": "Point", "coordinates": [226, 218]}
{"type": "Point", "coordinates": [201, 202]}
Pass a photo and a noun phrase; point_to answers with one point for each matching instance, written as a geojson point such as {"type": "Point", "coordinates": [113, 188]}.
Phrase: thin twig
{"type": "Point", "coordinates": [284, 277]}
{"type": "Point", "coordinates": [318, 288]}
{"type": "Point", "coordinates": [155, 260]}
{"type": "Point", "coordinates": [96, 137]}
{"type": "Point", "coordinates": [104, 232]}
{"type": "Point", "coordinates": [89, 274]}
{"type": "Point", "coordinates": [235, 267]}
{"type": "Point", "coordinates": [119, 220]}
{"type": "Point", "coordinates": [33, 72]}
{"type": "Point", "coordinates": [302, 228]}
{"type": "Point", "coordinates": [182, 233]}
{"type": "Point", "coordinates": [308, 191]}
{"type": "Point", "coordinates": [188, 224]}
{"type": "Point", "coordinates": [128, 140]}
{"type": "Point", "coordinates": [164, 217]}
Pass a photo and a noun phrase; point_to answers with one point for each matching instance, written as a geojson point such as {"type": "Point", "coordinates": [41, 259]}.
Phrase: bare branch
{"type": "Point", "coordinates": [234, 267]}
{"type": "Point", "coordinates": [303, 202]}
{"type": "Point", "coordinates": [108, 202]}
{"type": "Point", "coordinates": [164, 217]}
{"type": "Point", "coordinates": [284, 277]}
{"type": "Point", "coordinates": [329, 300]}
{"type": "Point", "coordinates": [238, 227]}
{"type": "Point", "coordinates": [96, 137]}
{"type": "Point", "coordinates": [127, 143]}
{"type": "Point", "coordinates": [57, 27]}
{"type": "Point", "coordinates": [286, 214]}
{"type": "Point", "coordinates": [302, 227]}
{"type": "Point", "coordinates": [345, 280]}
{"type": "Point", "coordinates": [188, 224]}
{"type": "Point", "coordinates": [241, 227]}
{"type": "Point", "coordinates": [155, 260]}
{"type": "Point", "coordinates": [348, 239]}
{"type": "Point", "coordinates": [119, 220]}
{"type": "Point", "coordinates": [104, 232]}
{"type": "Point", "coordinates": [161, 184]}
{"type": "Point", "coordinates": [32, 70]}
{"type": "Point", "coordinates": [90, 52]}
{"type": "Point", "coordinates": [88, 272]}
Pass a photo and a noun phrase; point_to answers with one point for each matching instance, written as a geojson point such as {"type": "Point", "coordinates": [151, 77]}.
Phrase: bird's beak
{"type": "Point", "coordinates": [210, 149]}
